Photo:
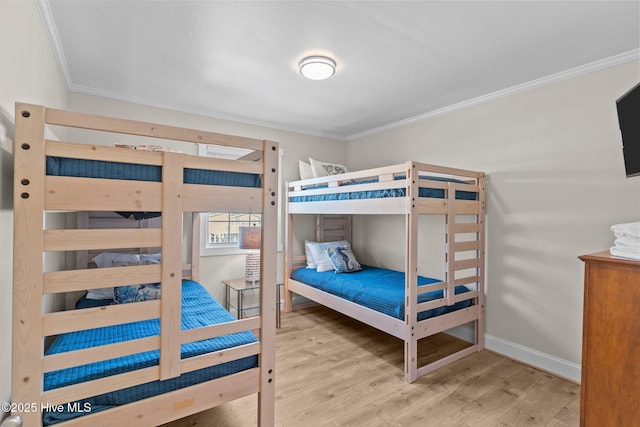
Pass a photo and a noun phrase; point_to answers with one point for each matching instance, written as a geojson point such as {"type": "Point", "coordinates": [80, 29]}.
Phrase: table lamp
{"type": "Point", "coordinates": [249, 239]}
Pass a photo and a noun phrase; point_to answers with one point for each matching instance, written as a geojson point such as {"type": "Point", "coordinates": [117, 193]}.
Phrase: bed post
{"type": "Point", "coordinates": [288, 255]}
{"type": "Point", "coordinates": [266, 395]}
{"type": "Point", "coordinates": [28, 205]}
{"type": "Point", "coordinates": [195, 247]}
{"type": "Point", "coordinates": [411, 276]}
{"type": "Point", "coordinates": [172, 196]}
{"type": "Point", "coordinates": [481, 269]}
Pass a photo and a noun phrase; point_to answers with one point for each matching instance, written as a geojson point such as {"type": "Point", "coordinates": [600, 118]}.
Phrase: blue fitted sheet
{"type": "Point", "coordinates": [376, 288]}
{"type": "Point", "coordinates": [437, 193]}
{"type": "Point", "coordinates": [198, 309]}
{"type": "Point", "coordinates": [62, 166]}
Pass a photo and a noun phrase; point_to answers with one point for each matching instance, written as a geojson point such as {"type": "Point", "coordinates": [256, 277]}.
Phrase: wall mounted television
{"type": "Point", "coordinates": [628, 106]}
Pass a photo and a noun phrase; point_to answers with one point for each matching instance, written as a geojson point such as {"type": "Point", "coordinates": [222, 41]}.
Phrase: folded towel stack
{"type": "Point", "coordinates": [627, 243]}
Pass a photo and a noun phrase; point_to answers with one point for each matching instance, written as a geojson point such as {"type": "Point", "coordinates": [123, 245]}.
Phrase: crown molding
{"type": "Point", "coordinates": [602, 64]}
{"type": "Point", "coordinates": [54, 39]}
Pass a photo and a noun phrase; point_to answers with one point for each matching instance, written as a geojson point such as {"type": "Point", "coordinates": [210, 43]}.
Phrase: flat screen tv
{"type": "Point", "coordinates": [628, 106]}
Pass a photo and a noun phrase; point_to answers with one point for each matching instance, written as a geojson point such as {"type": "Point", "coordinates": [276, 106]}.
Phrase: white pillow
{"type": "Point", "coordinates": [325, 169]}
{"type": "Point", "coordinates": [320, 256]}
{"type": "Point", "coordinates": [307, 253]}
{"type": "Point", "coordinates": [305, 170]}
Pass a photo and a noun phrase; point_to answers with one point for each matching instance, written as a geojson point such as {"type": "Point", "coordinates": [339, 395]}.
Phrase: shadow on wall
{"type": "Point", "coordinates": [6, 160]}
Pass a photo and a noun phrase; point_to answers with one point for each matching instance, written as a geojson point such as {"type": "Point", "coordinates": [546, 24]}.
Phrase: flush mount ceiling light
{"type": "Point", "coordinates": [317, 67]}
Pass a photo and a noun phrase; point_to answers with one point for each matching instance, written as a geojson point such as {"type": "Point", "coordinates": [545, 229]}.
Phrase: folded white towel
{"type": "Point", "coordinates": [627, 242]}
{"type": "Point", "coordinates": [630, 229]}
{"type": "Point", "coordinates": [624, 252]}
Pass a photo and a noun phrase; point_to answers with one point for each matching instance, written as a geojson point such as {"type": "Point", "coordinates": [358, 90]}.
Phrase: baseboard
{"type": "Point", "coordinates": [554, 365]}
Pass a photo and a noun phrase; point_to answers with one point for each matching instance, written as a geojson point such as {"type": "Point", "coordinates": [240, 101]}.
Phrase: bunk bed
{"type": "Point", "coordinates": [147, 360]}
{"type": "Point", "coordinates": [407, 306]}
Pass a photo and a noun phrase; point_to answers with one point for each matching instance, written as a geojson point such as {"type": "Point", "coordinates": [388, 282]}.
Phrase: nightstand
{"type": "Point", "coordinates": [242, 298]}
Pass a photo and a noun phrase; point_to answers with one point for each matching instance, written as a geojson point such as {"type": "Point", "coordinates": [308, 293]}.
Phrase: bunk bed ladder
{"type": "Point", "coordinates": [476, 245]}
{"type": "Point", "coordinates": [333, 227]}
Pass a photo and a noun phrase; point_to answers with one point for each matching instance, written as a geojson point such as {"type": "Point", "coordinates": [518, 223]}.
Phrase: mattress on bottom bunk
{"type": "Point", "coordinates": [377, 288]}
{"type": "Point", "coordinates": [437, 193]}
{"type": "Point", "coordinates": [62, 166]}
{"type": "Point", "coordinates": [198, 309]}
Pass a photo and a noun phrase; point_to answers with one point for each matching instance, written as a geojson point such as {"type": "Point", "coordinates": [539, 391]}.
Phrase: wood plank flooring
{"type": "Point", "coordinates": [334, 371]}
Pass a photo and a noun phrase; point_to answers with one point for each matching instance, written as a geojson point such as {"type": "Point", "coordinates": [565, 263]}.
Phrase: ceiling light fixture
{"type": "Point", "coordinates": [317, 67]}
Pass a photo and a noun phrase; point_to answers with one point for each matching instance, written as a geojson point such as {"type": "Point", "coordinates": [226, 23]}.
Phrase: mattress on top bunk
{"type": "Point", "coordinates": [437, 193]}
{"type": "Point", "coordinates": [377, 288]}
{"type": "Point", "coordinates": [198, 309]}
{"type": "Point", "coordinates": [62, 166]}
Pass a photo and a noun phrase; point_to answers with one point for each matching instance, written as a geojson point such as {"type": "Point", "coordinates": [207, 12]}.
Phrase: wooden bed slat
{"type": "Point", "coordinates": [466, 227]}
{"type": "Point", "coordinates": [170, 406]}
{"type": "Point", "coordinates": [466, 263]}
{"type": "Point", "coordinates": [132, 127]}
{"type": "Point", "coordinates": [213, 331]}
{"type": "Point", "coordinates": [467, 280]}
{"type": "Point", "coordinates": [94, 194]}
{"type": "Point", "coordinates": [74, 240]}
{"type": "Point", "coordinates": [97, 354]}
{"type": "Point", "coordinates": [350, 188]}
{"type": "Point", "coordinates": [388, 205]}
{"type": "Point", "coordinates": [78, 391]}
{"type": "Point", "coordinates": [79, 280]}
{"type": "Point", "coordinates": [466, 246]}
{"type": "Point", "coordinates": [88, 318]}
{"type": "Point", "coordinates": [102, 153]}
{"type": "Point", "coordinates": [218, 357]}
{"type": "Point", "coordinates": [446, 321]}
{"type": "Point", "coordinates": [356, 175]}
{"type": "Point", "coordinates": [203, 198]}
{"type": "Point", "coordinates": [426, 168]}
{"type": "Point", "coordinates": [424, 306]}
{"type": "Point", "coordinates": [208, 163]}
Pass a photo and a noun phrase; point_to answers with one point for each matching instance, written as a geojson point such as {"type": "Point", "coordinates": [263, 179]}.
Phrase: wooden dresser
{"type": "Point", "coordinates": [610, 388]}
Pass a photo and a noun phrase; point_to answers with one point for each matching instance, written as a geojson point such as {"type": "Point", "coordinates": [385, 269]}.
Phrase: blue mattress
{"type": "Point", "coordinates": [376, 288]}
{"type": "Point", "coordinates": [198, 309]}
{"type": "Point", "coordinates": [62, 166]}
{"type": "Point", "coordinates": [437, 193]}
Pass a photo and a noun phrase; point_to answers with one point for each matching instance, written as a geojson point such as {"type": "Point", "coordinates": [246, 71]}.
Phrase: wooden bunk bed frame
{"type": "Point", "coordinates": [36, 193]}
{"type": "Point", "coordinates": [409, 176]}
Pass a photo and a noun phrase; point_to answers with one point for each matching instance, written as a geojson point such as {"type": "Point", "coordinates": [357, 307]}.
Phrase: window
{"type": "Point", "coordinates": [220, 229]}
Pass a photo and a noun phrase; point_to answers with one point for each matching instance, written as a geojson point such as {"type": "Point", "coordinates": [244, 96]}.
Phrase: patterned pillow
{"type": "Point", "coordinates": [126, 294]}
{"type": "Point", "coordinates": [325, 169]}
{"type": "Point", "coordinates": [343, 260]}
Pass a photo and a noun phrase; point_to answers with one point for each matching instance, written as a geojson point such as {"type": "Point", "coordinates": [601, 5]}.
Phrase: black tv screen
{"type": "Point", "coordinates": [628, 106]}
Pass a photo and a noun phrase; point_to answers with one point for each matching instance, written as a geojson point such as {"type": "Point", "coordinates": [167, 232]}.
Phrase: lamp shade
{"type": "Point", "coordinates": [249, 238]}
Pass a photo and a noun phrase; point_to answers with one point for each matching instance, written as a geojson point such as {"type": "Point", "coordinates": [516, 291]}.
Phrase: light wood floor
{"type": "Point", "coordinates": [334, 371]}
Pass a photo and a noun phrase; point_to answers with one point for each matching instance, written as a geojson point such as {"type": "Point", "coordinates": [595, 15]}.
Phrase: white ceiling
{"type": "Point", "coordinates": [397, 61]}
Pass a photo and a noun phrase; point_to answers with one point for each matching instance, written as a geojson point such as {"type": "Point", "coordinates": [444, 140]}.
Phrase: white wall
{"type": "Point", "coordinates": [28, 73]}
{"type": "Point", "coordinates": [556, 184]}
{"type": "Point", "coordinates": [296, 146]}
